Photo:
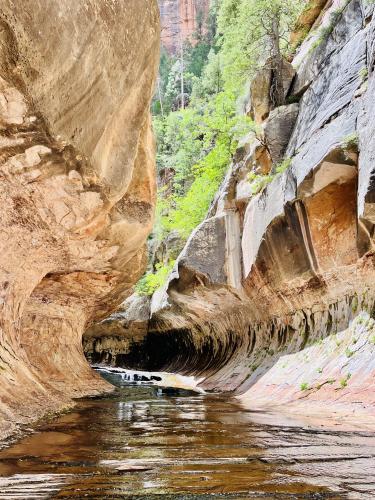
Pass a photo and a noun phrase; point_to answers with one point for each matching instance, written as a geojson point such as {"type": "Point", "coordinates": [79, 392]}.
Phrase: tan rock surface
{"type": "Point", "coordinates": [260, 89]}
{"type": "Point", "coordinates": [77, 186]}
{"type": "Point", "coordinates": [307, 19]}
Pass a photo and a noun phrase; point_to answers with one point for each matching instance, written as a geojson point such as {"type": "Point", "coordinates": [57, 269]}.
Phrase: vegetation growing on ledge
{"type": "Point", "coordinates": [197, 132]}
{"type": "Point", "coordinates": [259, 182]}
{"type": "Point", "coordinates": [350, 142]}
{"type": "Point", "coordinates": [153, 281]}
{"type": "Point", "coordinates": [326, 30]}
{"type": "Point", "coordinates": [198, 115]}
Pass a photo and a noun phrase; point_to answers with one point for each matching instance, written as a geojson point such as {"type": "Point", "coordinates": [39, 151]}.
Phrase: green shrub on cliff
{"type": "Point", "coordinates": [189, 210]}
{"type": "Point", "coordinates": [220, 128]}
{"type": "Point", "coordinates": [251, 31]}
{"type": "Point", "coordinates": [153, 281]}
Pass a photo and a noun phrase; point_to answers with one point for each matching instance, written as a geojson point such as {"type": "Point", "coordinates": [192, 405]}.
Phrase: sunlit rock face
{"type": "Point", "coordinates": [77, 186]}
{"type": "Point", "coordinates": [179, 21]}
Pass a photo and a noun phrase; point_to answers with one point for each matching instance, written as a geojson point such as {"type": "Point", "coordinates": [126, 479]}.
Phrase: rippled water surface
{"type": "Point", "coordinates": [144, 443]}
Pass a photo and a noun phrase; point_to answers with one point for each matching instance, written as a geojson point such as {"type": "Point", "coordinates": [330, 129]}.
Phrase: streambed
{"type": "Point", "coordinates": [145, 441]}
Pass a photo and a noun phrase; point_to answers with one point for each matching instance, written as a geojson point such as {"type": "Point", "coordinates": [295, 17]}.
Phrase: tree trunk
{"type": "Point", "coordinates": [182, 74]}
{"type": "Point", "coordinates": [277, 94]}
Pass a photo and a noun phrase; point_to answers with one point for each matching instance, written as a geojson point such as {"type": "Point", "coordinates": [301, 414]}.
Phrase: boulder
{"type": "Point", "coordinates": [204, 254]}
{"type": "Point", "coordinates": [277, 130]}
{"type": "Point", "coordinates": [260, 89]}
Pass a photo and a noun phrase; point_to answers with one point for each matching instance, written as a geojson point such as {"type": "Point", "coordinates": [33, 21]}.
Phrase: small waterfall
{"type": "Point", "coordinates": [130, 377]}
{"type": "Point", "coordinates": [121, 377]}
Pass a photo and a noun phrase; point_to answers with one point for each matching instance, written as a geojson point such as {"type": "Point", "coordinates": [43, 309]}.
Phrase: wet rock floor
{"type": "Point", "coordinates": [144, 442]}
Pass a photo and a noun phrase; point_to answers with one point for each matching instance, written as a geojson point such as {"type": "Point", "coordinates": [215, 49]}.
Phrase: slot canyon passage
{"type": "Point", "coordinates": [197, 319]}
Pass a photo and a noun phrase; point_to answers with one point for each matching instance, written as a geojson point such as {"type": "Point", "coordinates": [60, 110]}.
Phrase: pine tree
{"type": "Point", "coordinates": [253, 31]}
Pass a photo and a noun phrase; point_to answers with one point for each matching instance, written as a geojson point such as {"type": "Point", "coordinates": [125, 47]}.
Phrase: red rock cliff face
{"type": "Point", "coordinates": [179, 20]}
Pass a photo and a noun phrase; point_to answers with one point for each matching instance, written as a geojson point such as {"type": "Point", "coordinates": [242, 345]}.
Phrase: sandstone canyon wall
{"type": "Point", "coordinates": [77, 186]}
{"type": "Point", "coordinates": [179, 20]}
{"type": "Point", "coordinates": [273, 295]}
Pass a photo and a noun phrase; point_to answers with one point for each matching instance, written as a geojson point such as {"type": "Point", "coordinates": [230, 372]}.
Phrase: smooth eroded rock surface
{"type": "Point", "coordinates": [77, 186]}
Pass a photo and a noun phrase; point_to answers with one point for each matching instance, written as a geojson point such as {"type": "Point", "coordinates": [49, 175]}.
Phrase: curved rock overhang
{"type": "Point", "coordinates": [77, 187]}
{"type": "Point", "coordinates": [297, 286]}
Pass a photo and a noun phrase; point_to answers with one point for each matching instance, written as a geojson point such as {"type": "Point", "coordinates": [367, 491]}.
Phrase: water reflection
{"type": "Point", "coordinates": [142, 441]}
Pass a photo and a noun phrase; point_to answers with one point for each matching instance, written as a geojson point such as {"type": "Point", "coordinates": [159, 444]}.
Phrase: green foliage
{"type": "Point", "coordinates": [349, 353]}
{"type": "Point", "coordinates": [363, 74]}
{"type": "Point", "coordinates": [197, 57]}
{"type": "Point", "coordinates": [179, 138]}
{"type": "Point", "coordinates": [344, 381]}
{"type": "Point", "coordinates": [350, 142]}
{"type": "Point", "coordinates": [245, 27]}
{"type": "Point", "coordinates": [284, 165]}
{"type": "Point", "coordinates": [304, 386]}
{"type": "Point", "coordinates": [153, 281]}
{"type": "Point", "coordinates": [189, 210]}
{"type": "Point", "coordinates": [196, 144]}
{"type": "Point", "coordinates": [259, 182]}
{"type": "Point", "coordinates": [211, 82]}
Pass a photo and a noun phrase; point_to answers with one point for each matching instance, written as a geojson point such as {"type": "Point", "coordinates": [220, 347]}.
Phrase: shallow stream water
{"type": "Point", "coordinates": [146, 442]}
